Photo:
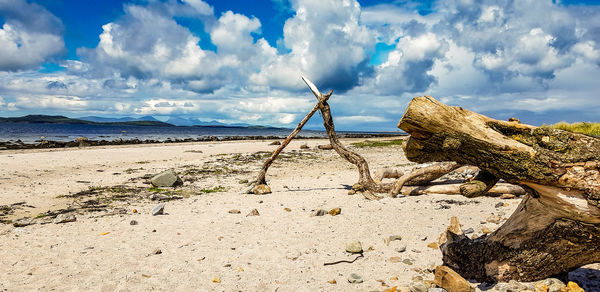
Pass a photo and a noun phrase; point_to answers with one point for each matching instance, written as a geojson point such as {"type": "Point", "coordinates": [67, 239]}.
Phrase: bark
{"type": "Point", "coordinates": [555, 229]}
{"type": "Point", "coordinates": [480, 185]}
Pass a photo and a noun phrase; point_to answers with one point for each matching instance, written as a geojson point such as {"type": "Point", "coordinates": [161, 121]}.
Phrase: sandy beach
{"type": "Point", "coordinates": [205, 241]}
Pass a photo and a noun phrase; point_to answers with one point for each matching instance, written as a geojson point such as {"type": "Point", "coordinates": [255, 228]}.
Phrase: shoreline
{"type": "Point", "coordinates": [84, 142]}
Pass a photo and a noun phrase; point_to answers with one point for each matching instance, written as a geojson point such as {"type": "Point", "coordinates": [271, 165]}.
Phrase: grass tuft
{"type": "Point", "coordinates": [369, 143]}
{"type": "Point", "coordinates": [582, 127]}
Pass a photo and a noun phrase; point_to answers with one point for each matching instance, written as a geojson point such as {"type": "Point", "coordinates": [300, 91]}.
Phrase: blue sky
{"type": "Point", "coordinates": [240, 61]}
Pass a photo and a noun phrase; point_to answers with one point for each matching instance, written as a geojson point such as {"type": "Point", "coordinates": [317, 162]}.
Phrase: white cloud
{"type": "Point", "coordinates": [29, 36]}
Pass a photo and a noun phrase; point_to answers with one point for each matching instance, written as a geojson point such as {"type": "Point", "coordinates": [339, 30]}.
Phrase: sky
{"type": "Point", "coordinates": [240, 61]}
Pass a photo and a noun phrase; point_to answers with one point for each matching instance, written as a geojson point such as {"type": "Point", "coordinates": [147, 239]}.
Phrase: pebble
{"type": "Point", "coordinates": [23, 222]}
{"type": "Point", "coordinates": [507, 196]}
{"type": "Point", "coordinates": [319, 212]}
{"type": "Point", "coordinates": [395, 260]}
{"type": "Point", "coordinates": [133, 222]}
{"type": "Point", "coordinates": [234, 211]}
{"type": "Point", "coordinates": [64, 218]}
{"type": "Point", "coordinates": [351, 192]}
{"type": "Point", "coordinates": [407, 262]}
{"type": "Point", "coordinates": [355, 278]}
{"type": "Point", "coordinates": [261, 190]}
{"type": "Point", "coordinates": [335, 211]}
{"type": "Point", "coordinates": [498, 205]}
{"type": "Point", "coordinates": [391, 238]}
{"type": "Point", "coordinates": [436, 290]}
{"type": "Point", "coordinates": [287, 209]}
{"type": "Point", "coordinates": [254, 212]}
{"type": "Point", "coordinates": [485, 230]}
{"type": "Point", "coordinates": [468, 230]}
{"type": "Point", "coordinates": [401, 248]}
{"type": "Point", "coordinates": [418, 286]}
{"type": "Point", "coordinates": [494, 219]}
{"type": "Point", "coordinates": [354, 247]}
{"type": "Point", "coordinates": [166, 178]}
{"type": "Point", "coordinates": [158, 210]}
{"type": "Point", "coordinates": [433, 245]}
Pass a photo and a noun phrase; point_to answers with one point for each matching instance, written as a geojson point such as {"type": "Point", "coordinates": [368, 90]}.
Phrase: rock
{"type": "Point", "coordinates": [499, 205]}
{"type": "Point", "coordinates": [243, 181]}
{"type": "Point", "coordinates": [418, 286]}
{"type": "Point", "coordinates": [395, 259]}
{"type": "Point", "coordinates": [64, 218]}
{"type": "Point", "coordinates": [407, 262]}
{"type": "Point", "coordinates": [325, 147]}
{"type": "Point", "coordinates": [355, 278]}
{"type": "Point", "coordinates": [450, 280]}
{"type": "Point", "coordinates": [332, 281]}
{"type": "Point", "coordinates": [158, 209]}
{"type": "Point", "coordinates": [358, 187]}
{"type": "Point", "coordinates": [304, 146]}
{"type": "Point", "coordinates": [275, 143]}
{"type": "Point", "coordinates": [351, 192]}
{"type": "Point", "coordinates": [82, 141]}
{"type": "Point", "coordinates": [157, 251]}
{"type": "Point", "coordinates": [354, 247]}
{"type": "Point", "coordinates": [335, 211]}
{"type": "Point", "coordinates": [234, 211]}
{"type": "Point", "coordinates": [436, 290]}
{"type": "Point", "coordinates": [485, 230]}
{"type": "Point", "coordinates": [513, 119]}
{"type": "Point", "coordinates": [401, 248]}
{"type": "Point", "coordinates": [167, 178]}
{"type": "Point", "coordinates": [494, 219]}
{"type": "Point", "coordinates": [319, 212]}
{"type": "Point", "coordinates": [511, 286]}
{"type": "Point", "coordinates": [254, 212]}
{"type": "Point", "coordinates": [261, 189]}
{"type": "Point", "coordinates": [391, 238]}
{"type": "Point", "coordinates": [539, 287]}
{"type": "Point", "coordinates": [556, 287]}
{"type": "Point", "coordinates": [23, 222]}
{"type": "Point", "coordinates": [133, 222]}
{"type": "Point", "coordinates": [507, 196]}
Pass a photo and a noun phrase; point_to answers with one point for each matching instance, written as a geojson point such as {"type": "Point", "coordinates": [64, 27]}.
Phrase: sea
{"type": "Point", "coordinates": [32, 132]}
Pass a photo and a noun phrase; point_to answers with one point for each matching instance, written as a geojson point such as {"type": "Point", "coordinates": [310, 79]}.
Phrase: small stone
{"type": "Point", "coordinates": [355, 278]}
{"type": "Point", "coordinates": [485, 230]}
{"type": "Point", "coordinates": [507, 196]}
{"type": "Point", "coordinates": [23, 222]}
{"type": "Point", "coordinates": [469, 230]}
{"type": "Point", "coordinates": [436, 290]}
{"type": "Point", "coordinates": [234, 211]}
{"type": "Point", "coordinates": [354, 247]}
{"type": "Point", "coordinates": [450, 280]}
{"type": "Point", "coordinates": [401, 248]}
{"type": "Point", "coordinates": [332, 282]}
{"type": "Point", "coordinates": [351, 192]}
{"type": "Point", "coordinates": [325, 147]}
{"type": "Point", "coordinates": [407, 262]}
{"type": "Point", "coordinates": [157, 251]}
{"type": "Point", "coordinates": [418, 286]}
{"type": "Point", "coordinates": [254, 212]}
{"type": "Point", "coordinates": [391, 238]}
{"type": "Point", "coordinates": [556, 287]}
{"type": "Point", "coordinates": [394, 278]}
{"type": "Point", "coordinates": [243, 181]}
{"type": "Point", "coordinates": [64, 218]}
{"type": "Point", "coordinates": [395, 259]}
{"type": "Point", "coordinates": [335, 211]}
{"type": "Point", "coordinates": [287, 209]}
{"type": "Point", "coordinates": [494, 219]}
{"type": "Point", "coordinates": [319, 212]}
{"type": "Point", "coordinates": [304, 146]}
{"type": "Point", "coordinates": [167, 178]}
{"type": "Point", "coordinates": [261, 189]}
{"type": "Point", "coordinates": [275, 143]}
{"type": "Point", "coordinates": [499, 205]}
{"type": "Point", "coordinates": [134, 211]}
{"type": "Point", "coordinates": [357, 187]}
{"type": "Point", "coordinates": [133, 222]}
{"type": "Point", "coordinates": [158, 210]}
{"type": "Point", "coordinates": [216, 280]}
{"type": "Point", "coordinates": [433, 245]}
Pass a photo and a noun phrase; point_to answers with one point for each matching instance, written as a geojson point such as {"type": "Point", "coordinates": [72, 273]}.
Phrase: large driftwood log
{"type": "Point", "coordinates": [555, 229]}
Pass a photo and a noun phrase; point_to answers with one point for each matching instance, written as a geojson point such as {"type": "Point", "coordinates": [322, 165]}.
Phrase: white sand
{"type": "Point", "coordinates": [200, 240]}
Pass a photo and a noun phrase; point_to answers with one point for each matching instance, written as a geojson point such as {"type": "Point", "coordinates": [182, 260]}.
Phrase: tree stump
{"type": "Point", "coordinates": [555, 229]}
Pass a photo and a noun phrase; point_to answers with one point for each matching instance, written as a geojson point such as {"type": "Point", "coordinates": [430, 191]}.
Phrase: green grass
{"type": "Point", "coordinates": [214, 190]}
{"type": "Point", "coordinates": [582, 127]}
{"type": "Point", "coordinates": [369, 143]}
{"type": "Point", "coordinates": [156, 190]}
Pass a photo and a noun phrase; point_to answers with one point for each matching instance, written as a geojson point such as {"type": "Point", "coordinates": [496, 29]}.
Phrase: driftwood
{"type": "Point", "coordinates": [555, 229]}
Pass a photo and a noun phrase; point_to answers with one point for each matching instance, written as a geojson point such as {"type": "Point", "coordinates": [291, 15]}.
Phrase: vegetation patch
{"type": "Point", "coordinates": [216, 189]}
{"type": "Point", "coordinates": [592, 129]}
{"type": "Point", "coordinates": [386, 143]}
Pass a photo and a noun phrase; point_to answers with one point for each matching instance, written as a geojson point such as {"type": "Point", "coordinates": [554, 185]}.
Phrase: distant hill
{"type": "Point", "coordinates": [177, 121]}
{"type": "Point", "coordinates": [118, 120]}
{"type": "Point", "coordinates": [44, 119]}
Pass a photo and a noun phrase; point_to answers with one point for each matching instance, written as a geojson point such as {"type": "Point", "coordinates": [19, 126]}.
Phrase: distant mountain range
{"type": "Point", "coordinates": [142, 121]}
{"type": "Point", "coordinates": [44, 119]}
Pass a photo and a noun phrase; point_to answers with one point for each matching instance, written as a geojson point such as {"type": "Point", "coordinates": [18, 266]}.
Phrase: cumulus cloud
{"type": "Point", "coordinates": [326, 42]}
{"type": "Point", "coordinates": [29, 36]}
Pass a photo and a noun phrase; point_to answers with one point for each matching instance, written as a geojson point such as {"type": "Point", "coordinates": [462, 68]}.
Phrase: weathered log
{"type": "Point", "coordinates": [480, 185]}
{"type": "Point", "coordinates": [555, 229]}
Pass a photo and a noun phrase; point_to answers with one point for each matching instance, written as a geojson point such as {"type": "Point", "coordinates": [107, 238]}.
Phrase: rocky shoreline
{"type": "Point", "coordinates": [85, 142]}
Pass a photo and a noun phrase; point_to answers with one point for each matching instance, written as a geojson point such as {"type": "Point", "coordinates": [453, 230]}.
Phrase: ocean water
{"type": "Point", "coordinates": [30, 132]}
